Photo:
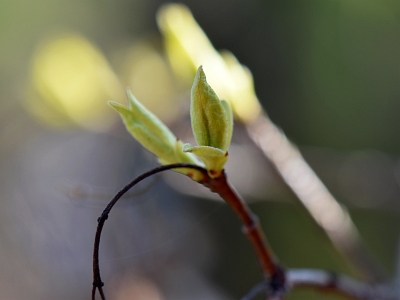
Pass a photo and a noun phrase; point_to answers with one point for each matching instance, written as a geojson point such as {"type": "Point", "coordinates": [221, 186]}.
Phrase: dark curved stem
{"type": "Point", "coordinates": [97, 282]}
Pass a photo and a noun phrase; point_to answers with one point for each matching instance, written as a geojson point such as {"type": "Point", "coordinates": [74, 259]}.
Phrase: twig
{"type": "Point", "coordinates": [97, 282]}
{"type": "Point", "coordinates": [272, 272]}
{"type": "Point", "coordinates": [339, 284]}
{"type": "Point", "coordinates": [332, 218]}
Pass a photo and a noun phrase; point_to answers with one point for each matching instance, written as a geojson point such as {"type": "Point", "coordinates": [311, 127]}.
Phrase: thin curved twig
{"type": "Point", "coordinates": [97, 282]}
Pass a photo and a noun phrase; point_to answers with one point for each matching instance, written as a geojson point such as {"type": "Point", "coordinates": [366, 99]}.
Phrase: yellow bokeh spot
{"type": "Point", "coordinates": [73, 81]}
{"type": "Point", "coordinates": [149, 77]}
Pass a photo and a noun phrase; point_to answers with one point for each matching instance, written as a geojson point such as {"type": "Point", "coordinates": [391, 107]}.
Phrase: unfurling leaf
{"type": "Point", "coordinates": [154, 135]}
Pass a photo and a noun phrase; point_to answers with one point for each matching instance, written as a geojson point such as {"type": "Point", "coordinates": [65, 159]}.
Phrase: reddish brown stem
{"type": "Point", "coordinates": [272, 272]}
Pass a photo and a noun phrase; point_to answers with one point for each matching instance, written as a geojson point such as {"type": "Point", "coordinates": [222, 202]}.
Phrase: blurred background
{"type": "Point", "coordinates": [327, 73]}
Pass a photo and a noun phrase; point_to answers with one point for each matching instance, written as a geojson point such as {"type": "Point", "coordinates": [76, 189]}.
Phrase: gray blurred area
{"type": "Point", "coordinates": [327, 73]}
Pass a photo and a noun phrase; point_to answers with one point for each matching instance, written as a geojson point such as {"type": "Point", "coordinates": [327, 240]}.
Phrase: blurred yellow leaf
{"type": "Point", "coordinates": [148, 75]}
{"type": "Point", "coordinates": [72, 80]}
{"type": "Point", "coordinates": [188, 47]}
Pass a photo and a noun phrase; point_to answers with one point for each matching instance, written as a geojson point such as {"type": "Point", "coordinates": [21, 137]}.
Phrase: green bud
{"type": "Point", "coordinates": [212, 125]}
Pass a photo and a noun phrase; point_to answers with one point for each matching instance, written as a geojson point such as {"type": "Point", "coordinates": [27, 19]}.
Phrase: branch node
{"type": "Point", "coordinates": [332, 279]}
{"type": "Point", "coordinates": [103, 217]}
{"type": "Point", "coordinates": [249, 228]}
{"type": "Point", "coordinates": [277, 282]}
{"type": "Point", "coordinates": [98, 283]}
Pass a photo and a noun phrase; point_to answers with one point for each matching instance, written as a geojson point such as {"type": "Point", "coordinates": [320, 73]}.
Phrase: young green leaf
{"type": "Point", "coordinates": [207, 113]}
{"type": "Point", "coordinates": [212, 125]}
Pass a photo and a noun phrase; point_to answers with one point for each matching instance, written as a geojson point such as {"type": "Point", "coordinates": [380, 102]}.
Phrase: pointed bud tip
{"type": "Point", "coordinates": [200, 73]}
{"type": "Point", "coordinates": [128, 91]}
{"type": "Point", "coordinates": [117, 106]}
